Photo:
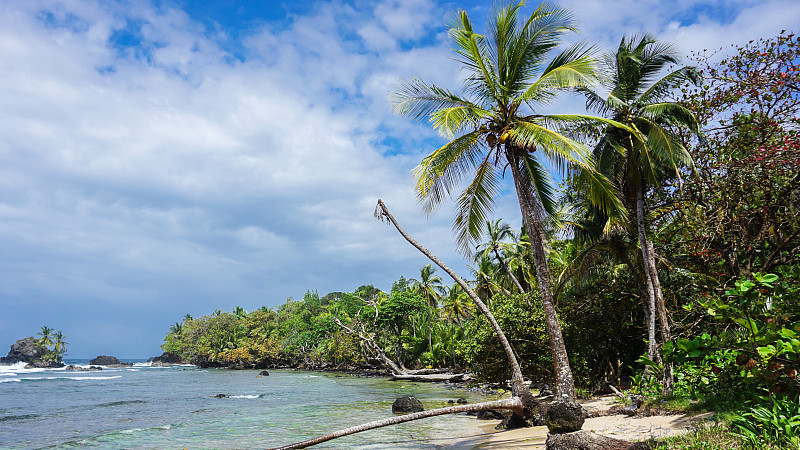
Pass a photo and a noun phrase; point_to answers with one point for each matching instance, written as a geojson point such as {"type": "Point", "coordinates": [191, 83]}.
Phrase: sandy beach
{"type": "Point", "coordinates": [618, 426]}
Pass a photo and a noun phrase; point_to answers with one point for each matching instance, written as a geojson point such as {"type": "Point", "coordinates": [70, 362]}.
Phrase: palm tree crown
{"type": "Point", "coordinates": [498, 125]}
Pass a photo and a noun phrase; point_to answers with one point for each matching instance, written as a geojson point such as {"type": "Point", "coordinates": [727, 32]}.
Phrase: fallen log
{"type": "Point", "coordinates": [430, 378]}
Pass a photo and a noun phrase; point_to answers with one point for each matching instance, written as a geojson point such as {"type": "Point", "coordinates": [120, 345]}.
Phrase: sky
{"type": "Point", "coordinates": [159, 158]}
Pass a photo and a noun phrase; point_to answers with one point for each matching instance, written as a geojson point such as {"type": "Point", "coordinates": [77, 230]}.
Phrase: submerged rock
{"type": "Point", "coordinates": [264, 373]}
{"type": "Point", "coordinates": [110, 361]}
{"type": "Point", "coordinates": [219, 396]}
{"type": "Point", "coordinates": [25, 350]}
{"type": "Point", "coordinates": [407, 404]}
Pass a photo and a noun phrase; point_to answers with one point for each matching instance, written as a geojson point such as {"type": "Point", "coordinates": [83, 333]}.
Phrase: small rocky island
{"type": "Point", "coordinates": [109, 361]}
{"type": "Point", "coordinates": [32, 352]}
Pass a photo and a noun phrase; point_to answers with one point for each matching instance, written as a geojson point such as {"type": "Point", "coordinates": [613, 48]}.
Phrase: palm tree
{"type": "Point", "coordinates": [60, 345]}
{"type": "Point", "coordinates": [646, 153]}
{"type": "Point", "coordinates": [176, 328]}
{"type": "Point", "coordinates": [485, 273]}
{"type": "Point", "coordinates": [239, 312]}
{"type": "Point", "coordinates": [496, 234]}
{"type": "Point", "coordinates": [46, 337]}
{"type": "Point", "coordinates": [498, 125]}
{"type": "Point", "coordinates": [430, 287]}
{"type": "Point", "coordinates": [456, 307]}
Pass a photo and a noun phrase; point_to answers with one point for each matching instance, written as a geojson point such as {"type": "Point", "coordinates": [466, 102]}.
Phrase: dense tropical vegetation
{"type": "Point", "coordinates": [668, 265]}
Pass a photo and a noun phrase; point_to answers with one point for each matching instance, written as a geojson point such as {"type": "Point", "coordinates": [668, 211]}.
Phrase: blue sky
{"type": "Point", "coordinates": [159, 158]}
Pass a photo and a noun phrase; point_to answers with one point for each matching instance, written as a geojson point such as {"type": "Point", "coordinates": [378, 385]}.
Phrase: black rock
{"type": "Point", "coordinates": [219, 396]}
{"type": "Point", "coordinates": [407, 404]}
{"type": "Point", "coordinates": [44, 365]}
{"type": "Point", "coordinates": [24, 350]}
{"type": "Point", "coordinates": [462, 401]}
{"type": "Point", "coordinates": [82, 369]}
{"type": "Point", "coordinates": [564, 417]}
{"type": "Point", "coordinates": [165, 359]}
{"type": "Point", "coordinates": [489, 414]}
{"type": "Point", "coordinates": [111, 361]}
{"type": "Point", "coordinates": [264, 373]}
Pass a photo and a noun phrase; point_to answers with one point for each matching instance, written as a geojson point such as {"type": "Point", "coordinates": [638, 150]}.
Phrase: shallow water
{"type": "Point", "coordinates": [171, 407]}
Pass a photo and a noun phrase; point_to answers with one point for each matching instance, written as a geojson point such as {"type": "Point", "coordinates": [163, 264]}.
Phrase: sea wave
{"type": "Point", "coordinates": [87, 378]}
{"type": "Point", "coordinates": [246, 396]}
{"type": "Point", "coordinates": [18, 417]}
{"type": "Point", "coordinates": [10, 380]}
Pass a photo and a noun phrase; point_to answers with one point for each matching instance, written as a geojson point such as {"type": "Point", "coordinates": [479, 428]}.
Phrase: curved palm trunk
{"type": "Point", "coordinates": [514, 404]}
{"type": "Point", "coordinates": [656, 297]}
{"type": "Point", "coordinates": [530, 205]}
{"type": "Point", "coordinates": [518, 387]}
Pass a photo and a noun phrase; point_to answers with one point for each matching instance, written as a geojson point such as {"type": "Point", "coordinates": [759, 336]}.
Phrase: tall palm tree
{"type": "Point", "coordinates": [646, 153]}
{"type": "Point", "coordinates": [456, 307]}
{"type": "Point", "coordinates": [496, 234]}
{"type": "Point", "coordinates": [430, 287]}
{"type": "Point", "coordinates": [498, 124]}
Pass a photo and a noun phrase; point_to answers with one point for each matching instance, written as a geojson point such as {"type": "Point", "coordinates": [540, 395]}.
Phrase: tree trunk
{"type": "Point", "coordinates": [648, 286]}
{"type": "Point", "coordinates": [654, 289]}
{"type": "Point", "coordinates": [668, 385]}
{"type": "Point", "coordinates": [518, 386]}
{"type": "Point", "coordinates": [514, 404]}
{"type": "Point", "coordinates": [531, 208]}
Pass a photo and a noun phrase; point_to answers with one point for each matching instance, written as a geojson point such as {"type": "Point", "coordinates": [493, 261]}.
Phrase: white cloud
{"type": "Point", "coordinates": [171, 176]}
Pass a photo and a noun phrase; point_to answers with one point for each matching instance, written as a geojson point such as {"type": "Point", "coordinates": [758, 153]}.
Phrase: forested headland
{"type": "Point", "coordinates": [687, 290]}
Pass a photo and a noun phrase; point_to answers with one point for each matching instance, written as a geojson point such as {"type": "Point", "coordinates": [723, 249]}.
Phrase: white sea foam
{"type": "Point", "coordinates": [142, 364]}
{"type": "Point", "coordinates": [245, 396]}
{"type": "Point", "coordinates": [10, 380]}
{"type": "Point", "coordinates": [133, 370]}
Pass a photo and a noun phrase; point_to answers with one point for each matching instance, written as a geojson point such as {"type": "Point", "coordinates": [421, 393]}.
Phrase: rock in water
{"type": "Point", "coordinates": [24, 350]}
{"type": "Point", "coordinates": [264, 373]}
{"type": "Point", "coordinates": [165, 359]}
{"type": "Point", "coordinates": [112, 361]}
{"type": "Point", "coordinates": [219, 396]}
{"type": "Point", "coordinates": [564, 417]}
{"type": "Point", "coordinates": [586, 440]}
{"type": "Point", "coordinates": [407, 404]}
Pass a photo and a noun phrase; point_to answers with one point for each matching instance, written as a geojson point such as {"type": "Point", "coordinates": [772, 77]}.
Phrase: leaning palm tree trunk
{"type": "Point", "coordinates": [514, 404]}
{"type": "Point", "coordinates": [529, 205]}
{"type": "Point", "coordinates": [381, 212]}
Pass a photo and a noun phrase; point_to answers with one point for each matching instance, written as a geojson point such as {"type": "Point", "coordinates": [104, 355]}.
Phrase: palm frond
{"type": "Point", "coordinates": [474, 206]}
{"type": "Point", "coordinates": [418, 100]}
{"type": "Point", "coordinates": [438, 173]}
{"type": "Point", "coordinates": [660, 88]}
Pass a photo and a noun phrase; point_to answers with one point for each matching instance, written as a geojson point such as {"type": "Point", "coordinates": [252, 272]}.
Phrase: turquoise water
{"type": "Point", "coordinates": [171, 407]}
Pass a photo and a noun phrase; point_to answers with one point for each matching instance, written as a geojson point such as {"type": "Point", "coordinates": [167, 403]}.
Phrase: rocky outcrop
{"type": "Point", "coordinates": [82, 369]}
{"type": "Point", "coordinates": [263, 373]}
{"type": "Point", "coordinates": [44, 365]}
{"type": "Point", "coordinates": [24, 350]}
{"type": "Point", "coordinates": [109, 361]}
{"type": "Point", "coordinates": [166, 359]}
{"type": "Point", "coordinates": [407, 404]}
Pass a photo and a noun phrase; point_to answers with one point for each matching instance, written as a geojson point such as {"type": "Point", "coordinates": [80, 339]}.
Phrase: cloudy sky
{"type": "Point", "coordinates": [159, 158]}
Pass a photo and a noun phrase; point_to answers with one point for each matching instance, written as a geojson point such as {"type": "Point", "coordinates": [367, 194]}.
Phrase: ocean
{"type": "Point", "coordinates": [173, 407]}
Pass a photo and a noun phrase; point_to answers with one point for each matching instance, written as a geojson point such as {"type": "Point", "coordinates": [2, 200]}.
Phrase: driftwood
{"type": "Point", "coordinates": [430, 378]}
{"type": "Point", "coordinates": [586, 440]}
{"type": "Point", "coordinates": [513, 404]}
